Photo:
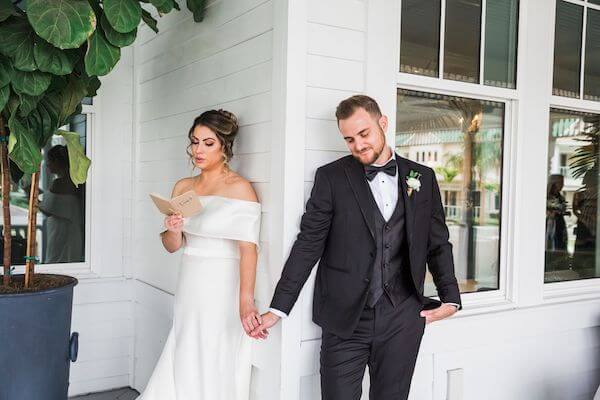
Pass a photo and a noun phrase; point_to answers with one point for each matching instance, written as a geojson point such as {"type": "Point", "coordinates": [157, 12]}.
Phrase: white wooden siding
{"type": "Point", "coordinates": [223, 62]}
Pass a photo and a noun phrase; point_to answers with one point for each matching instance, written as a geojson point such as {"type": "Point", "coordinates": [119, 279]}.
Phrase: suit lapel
{"type": "Point", "coordinates": [364, 197]}
{"type": "Point", "coordinates": [362, 192]}
{"type": "Point", "coordinates": [409, 206]}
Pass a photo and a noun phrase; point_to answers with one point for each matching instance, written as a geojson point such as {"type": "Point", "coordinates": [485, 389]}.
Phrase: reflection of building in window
{"type": "Point", "coordinates": [449, 169]}
{"type": "Point", "coordinates": [571, 204]}
{"type": "Point", "coordinates": [461, 139]}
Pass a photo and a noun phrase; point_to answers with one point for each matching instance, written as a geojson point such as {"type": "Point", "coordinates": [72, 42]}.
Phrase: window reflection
{"type": "Point", "coordinates": [592, 56]}
{"type": "Point", "coordinates": [461, 139]}
{"type": "Point", "coordinates": [501, 28]}
{"type": "Point", "coordinates": [567, 49]}
{"type": "Point", "coordinates": [420, 33]}
{"type": "Point", "coordinates": [462, 40]}
{"type": "Point", "coordinates": [572, 196]}
{"type": "Point", "coordinates": [60, 226]}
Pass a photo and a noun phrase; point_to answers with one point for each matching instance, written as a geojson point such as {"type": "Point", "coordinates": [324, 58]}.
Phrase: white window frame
{"type": "Point", "coordinates": [469, 88]}
{"type": "Point", "coordinates": [382, 82]}
{"type": "Point", "coordinates": [555, 292]}
{"type": "Point", "coordinates": [522, 267]}
{"type": "Point", "coordinates": [87, 268]}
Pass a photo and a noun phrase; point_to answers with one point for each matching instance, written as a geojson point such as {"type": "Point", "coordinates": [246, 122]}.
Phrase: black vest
{"type": "Point", "coordinates": [391, 268]}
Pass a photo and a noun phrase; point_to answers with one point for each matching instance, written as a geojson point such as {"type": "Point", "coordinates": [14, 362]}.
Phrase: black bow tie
{"type": "Point", "coordinates": [372, 170]}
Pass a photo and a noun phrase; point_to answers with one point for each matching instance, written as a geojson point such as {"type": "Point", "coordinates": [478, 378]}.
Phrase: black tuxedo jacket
{"type": "Point", "coordinates": [338, 229]}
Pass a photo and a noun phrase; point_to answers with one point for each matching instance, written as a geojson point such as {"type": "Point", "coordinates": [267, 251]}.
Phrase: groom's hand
{"type": "Point", "coordinates": [268, 320]}
{"type": "Point", "coordinates": [443, 311]}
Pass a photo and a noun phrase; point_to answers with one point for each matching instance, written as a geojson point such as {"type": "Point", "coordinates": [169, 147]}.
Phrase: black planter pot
{"type": "Point", "coordinates": [36, 345]}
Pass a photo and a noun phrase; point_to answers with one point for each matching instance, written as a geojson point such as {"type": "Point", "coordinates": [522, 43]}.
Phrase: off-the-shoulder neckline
{"type": "Point", "coordinates": [227, 198]}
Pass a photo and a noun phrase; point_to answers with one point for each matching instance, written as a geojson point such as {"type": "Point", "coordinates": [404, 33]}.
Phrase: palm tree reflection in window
{"type": "Point", "coordinates": [576, 138]}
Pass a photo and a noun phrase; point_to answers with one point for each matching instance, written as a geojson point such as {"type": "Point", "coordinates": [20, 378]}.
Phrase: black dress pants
{"type": "Point", "coordinates": [387, 339]}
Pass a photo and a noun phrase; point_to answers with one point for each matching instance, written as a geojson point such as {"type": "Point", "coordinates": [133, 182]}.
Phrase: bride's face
{"type": "Point", "coordinates": [206, 148]}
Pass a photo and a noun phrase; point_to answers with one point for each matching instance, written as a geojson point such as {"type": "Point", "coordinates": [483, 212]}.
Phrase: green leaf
{"type": "Point", "coordinates": [16, 41]}
{"type": "Point", "coordinates": [28, 104]}
{"type": "Point", "coordinates": [12, 105]}
{"type": "Point", "coordinates": [64, 23]}
{"type": "Point", "coordinates": [44, 119]}
{"type": "Point", "coordinates": [79, 164]}
{"type": "Point", "coordinates": [101, 56]}
{"type": "Point", "coordinates": [117, 38]}
{"type": "Point", "coordinates": [123, 15]}
{"type": "Point", "coordinates": [6, 9]}
{"type": "Point", "coordinates": [70, 98]}
{"type": "Point", "coordinates": [93, 84]}
{"type": "Point", "coordinates": [4, 95]}
{"type": "Point", "coordinates": [52, 59]}
{"type": "Point", "coordinates": [58, 83]}
{"type": "Point", "coordinates": [23, 146]}
{"type": "Point", "coordinates": [150, 21]}
{"type": "Point", "coordinates": [197, 8]}
{"type": "Point", "coordinates": [31, 83]}
{"type": "Point", "coordinates": [6, 71]}
{"type": "Point", "coordinates": [163, 6]}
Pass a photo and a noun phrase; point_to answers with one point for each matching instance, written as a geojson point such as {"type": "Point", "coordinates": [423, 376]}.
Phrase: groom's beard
{"type": "Point", "coordinates": [370, 160]}
{"type": "Point", "coordinates": [376, 153]}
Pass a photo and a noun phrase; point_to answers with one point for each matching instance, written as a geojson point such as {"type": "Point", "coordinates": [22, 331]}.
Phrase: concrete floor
{"type": "Point", "coordinates": [117, 394]}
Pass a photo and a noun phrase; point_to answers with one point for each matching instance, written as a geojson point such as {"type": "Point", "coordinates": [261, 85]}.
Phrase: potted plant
{"type": "Point", "coordinates": [51, 55]}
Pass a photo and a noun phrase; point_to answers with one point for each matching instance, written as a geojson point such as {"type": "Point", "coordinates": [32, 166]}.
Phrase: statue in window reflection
{"type": "Point", "coordinates": [61, 204]}
{"type": "Point", "coordinates": [556, 209]}
{"type": "Point", "coordinates": [585, 208]}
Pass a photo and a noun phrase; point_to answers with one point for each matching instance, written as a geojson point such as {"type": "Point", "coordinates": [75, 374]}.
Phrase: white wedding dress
{"type": "Point", "coordinates": [207, 353]}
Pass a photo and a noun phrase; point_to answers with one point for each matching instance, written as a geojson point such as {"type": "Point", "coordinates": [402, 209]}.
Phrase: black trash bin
{"type": "Point", "coordinates": [36, 345]}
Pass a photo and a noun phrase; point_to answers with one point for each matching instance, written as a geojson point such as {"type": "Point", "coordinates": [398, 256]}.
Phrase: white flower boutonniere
{"type": "Point", "coordinates": [413, 181]}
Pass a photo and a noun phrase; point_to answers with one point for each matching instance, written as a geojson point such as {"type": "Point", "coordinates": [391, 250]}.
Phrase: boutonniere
{"type": "Point", "coordinates": [413, 181]}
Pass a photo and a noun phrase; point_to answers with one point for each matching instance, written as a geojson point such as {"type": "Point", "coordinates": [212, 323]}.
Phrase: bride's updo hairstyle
{"type": "Point", "coordinates": [223, 123]}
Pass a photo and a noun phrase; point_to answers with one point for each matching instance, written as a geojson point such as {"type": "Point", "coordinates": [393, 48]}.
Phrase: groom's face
{"type": "Point", "coordinates": [364, 135]}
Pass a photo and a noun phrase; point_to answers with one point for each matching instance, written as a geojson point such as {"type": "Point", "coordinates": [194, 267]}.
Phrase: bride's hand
{"type": "Point", "coordinates": [174, 223]}
{"type": "Point", "coordinates": [250, 317]}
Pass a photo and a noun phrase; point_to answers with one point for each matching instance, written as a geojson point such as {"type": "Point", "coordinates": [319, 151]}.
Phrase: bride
{"type": "Point", "coordinates": [207, 352]}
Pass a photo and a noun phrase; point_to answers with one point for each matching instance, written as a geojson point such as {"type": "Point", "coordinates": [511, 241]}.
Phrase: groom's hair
{"type": "Point", "coordinates": [348, 106]}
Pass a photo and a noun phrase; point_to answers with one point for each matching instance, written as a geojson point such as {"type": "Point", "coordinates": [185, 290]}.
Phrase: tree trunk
{"type": "Point", "coordinates": [31, 229]}
{"type": "Point", "coordinates": [6, 229]}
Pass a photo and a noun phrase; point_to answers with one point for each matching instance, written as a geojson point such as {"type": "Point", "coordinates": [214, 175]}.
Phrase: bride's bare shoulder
{"type": "Point", "coordinates": [182, 186]}
{"type": "Point", "coordinates": [240, 188]}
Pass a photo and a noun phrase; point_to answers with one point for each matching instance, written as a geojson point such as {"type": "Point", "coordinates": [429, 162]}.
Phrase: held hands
{"type": "Point", "coordinates": [174, 223]}
{"type": "Point", "coordinates": [251, 320]}
{"type": "Point", "coordinates": [443, 311]}
{"type": "Point", "coordinates": [268, 320]}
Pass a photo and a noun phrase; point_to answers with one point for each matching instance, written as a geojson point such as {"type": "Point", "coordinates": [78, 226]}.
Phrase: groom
{"type": "Point", "coordinates": [374, 219]}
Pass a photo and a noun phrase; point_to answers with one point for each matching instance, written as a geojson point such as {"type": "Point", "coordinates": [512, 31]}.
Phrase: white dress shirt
{"type": "Point", "coordinates": [384, 188]}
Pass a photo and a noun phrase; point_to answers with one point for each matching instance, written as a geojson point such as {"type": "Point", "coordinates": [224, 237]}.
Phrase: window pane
{"type": "Point", "coordinates": [501, 23]}
{"type": "Point", "coordinates": [595, 2]}
{"type": "Point", "coordinates": [468, 136]}
{"type": "Point", "coordinates": [567, 49]}
{"type": "Point", "coordinates": [592, 56]}
{"type": "Point", "coordinates": [60, 229]}
{"type": "Point", "coordinates": [462, 40]}
{"type": "Point", "coordinates": [420, 37]}
{"type": "Point", "coordinates": [572, 196]}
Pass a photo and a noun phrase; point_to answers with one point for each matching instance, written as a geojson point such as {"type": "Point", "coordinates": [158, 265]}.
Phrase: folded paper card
{"type": "Point", "coordinates": [186, 204]}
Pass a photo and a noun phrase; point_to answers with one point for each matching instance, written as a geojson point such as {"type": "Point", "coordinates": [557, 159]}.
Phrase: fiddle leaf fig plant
{"type": "Point", "coordinates": [51, 55]}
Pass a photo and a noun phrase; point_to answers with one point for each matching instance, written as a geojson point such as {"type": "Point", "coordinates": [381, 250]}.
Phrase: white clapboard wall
{"type": "Point", "coordinates": [102, 303]}
{"type": "Point", "coordinates": [223, 62]}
